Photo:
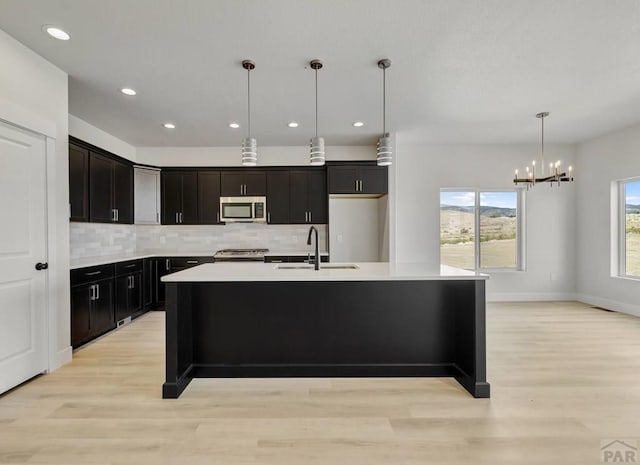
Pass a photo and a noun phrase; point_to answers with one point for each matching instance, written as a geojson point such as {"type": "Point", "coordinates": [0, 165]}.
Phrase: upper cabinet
{"type": "Point", "coordinates": [278, 197]}
{"type": "Point", "coordinates": [110, 190]}
{"type": "Point", "coordinates": [243, 182]}
{"type": "Point", "coordinates": [308, 197]}
{"type": "Point", "coordinates": [78, 183]}
{"type": "Point", "coordinates": [146, 182]}
{"type": "Point", "coordinates": [358, 179]}
{"type": "Point", "coordinates": [209, 197]}
{"type": "Point", "coordinates": [179, 197]}
{"type": "Point", "coordinates": [100, 185]}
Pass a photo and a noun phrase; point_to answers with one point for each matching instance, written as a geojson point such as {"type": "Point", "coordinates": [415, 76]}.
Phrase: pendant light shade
{"type": "Point", "coordinates": [385, 148]}
{"type": "Point", "coordinates": [249, 144]}
{"type": "Point", "coordinates": [316, 146]}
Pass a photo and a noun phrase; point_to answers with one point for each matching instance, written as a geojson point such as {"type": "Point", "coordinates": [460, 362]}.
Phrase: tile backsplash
{"type": "Point", "coordinates": [97, 239]}
{"type": "Point", "coordinates": [100, 239]}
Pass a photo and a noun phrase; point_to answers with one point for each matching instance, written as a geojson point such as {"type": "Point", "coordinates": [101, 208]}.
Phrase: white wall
{"type": "Point", "coordinates": [602, 161]}
{"type": "Point", "coordinates": [230, 156]}
{"type": "Point", "coordinates": [422, 170]}
{"type": "Point", "coordinates": [93, 135]}
{"type": "Point", "coordinates": [34, 93]}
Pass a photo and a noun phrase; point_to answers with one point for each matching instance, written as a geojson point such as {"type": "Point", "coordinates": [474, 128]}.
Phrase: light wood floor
{"type": "Point", "coordinates": [563, 377]}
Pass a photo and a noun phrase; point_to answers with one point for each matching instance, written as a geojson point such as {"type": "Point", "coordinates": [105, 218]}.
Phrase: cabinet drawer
{"type": "Point", "coordinates": [91, 274]}
{"type": "Point", "coordinates": [128, 267]}
{"type": "Point", "coordinates": [186, 262]}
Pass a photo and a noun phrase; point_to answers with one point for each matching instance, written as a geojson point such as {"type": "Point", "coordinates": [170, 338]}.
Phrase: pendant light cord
{"type": "Point", "coordinates": [384, 102]}
{"type": "Point", "coordinates": [316, 70]}
{"type": "Point", "coordinates": [249, 99]}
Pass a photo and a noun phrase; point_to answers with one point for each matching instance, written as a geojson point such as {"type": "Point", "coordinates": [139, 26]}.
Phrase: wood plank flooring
{"type": "Point", "coordinates": [564, 376]}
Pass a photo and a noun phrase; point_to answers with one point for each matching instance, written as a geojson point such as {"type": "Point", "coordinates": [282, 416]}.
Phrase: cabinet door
{"type": "Point", "coordinates": [123, 192]}
{"type": "Point", "coordinates": [278, 197]}
{"type": "Point", "coordinates": [255, 183]}
{"type": "Point", "coordinates": [100, 187]}
{"type": "Point", "coordinates": [121, 297]}
{"type": "Point", "coordinates": [342, 179]}
{"type": "Point", "coordinates": [146, 195]}
{"type": "Point", "coordinates": [102, 311]}
{"type": "Point", "coordinates": [209, 197]}
{"type": "Point", "coordinates": [374, 179]}
{"type": "Point", "coordinates": [231, 183]}
{"type": "Point", "coordinates": [298, 197]}
{"type": "Point", "coordinates": [162, 268]}
{"type": "Point", "coordinates": [80, 315]}
{"type": "Point", "coordinates": [135, 294]}
{"type": "Point", "coordinates": [78, 183]}
{"type": "Point", "coordinates": [317, 195]}
{"type": "Point", "coordinates": [147, 282]}
{"type": "Point", "coordinates": [171, 197]}
{"type": "Point", "coordinates": [189, 197]}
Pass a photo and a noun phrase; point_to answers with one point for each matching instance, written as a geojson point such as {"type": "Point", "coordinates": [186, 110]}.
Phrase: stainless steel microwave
{"type": "Point", "coordinates": [243, 209]}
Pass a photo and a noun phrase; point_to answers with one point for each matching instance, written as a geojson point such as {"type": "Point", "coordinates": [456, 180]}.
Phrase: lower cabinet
{"type": "Point", "coordinates": [128, 290]}
{"type": "Point", "coordinates": [165, 266]}
{"type": "Point", "coordinates": [92, 311]}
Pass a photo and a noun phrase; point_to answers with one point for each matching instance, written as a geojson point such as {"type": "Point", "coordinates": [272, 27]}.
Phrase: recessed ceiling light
{"type": "Point", "coordinates": [234, 125]}
{"type": "Point", "coordinates": [56, 32]}
{"type": "Point", "coordinates": [169, 126]}
{"type": "Point", "coordinates": [128, 91]}
{"type": "Point", "coordinates": [293, 124]}
{"type": "Point", "coordinates": [358, 124]}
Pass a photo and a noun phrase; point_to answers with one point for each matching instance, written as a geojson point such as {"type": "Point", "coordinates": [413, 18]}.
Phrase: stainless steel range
{"type": "Point", "coordinates": [240, 255]}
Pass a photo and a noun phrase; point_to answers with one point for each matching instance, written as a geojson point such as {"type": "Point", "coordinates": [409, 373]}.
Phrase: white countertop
{"type": "Point", "coordinates": [105, 260]}
{"type": "Point", "coordinates": [238, 272]}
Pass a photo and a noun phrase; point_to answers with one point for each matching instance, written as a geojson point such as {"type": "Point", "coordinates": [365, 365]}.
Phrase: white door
{"type": "Point", "coordinates": [23, 289]}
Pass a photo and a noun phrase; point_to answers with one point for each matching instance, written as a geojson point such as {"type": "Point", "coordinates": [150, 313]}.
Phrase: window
{"type": "Point", "coordinates": [481, 229]}
{"type": "Point", "coordinates": [630, 228]}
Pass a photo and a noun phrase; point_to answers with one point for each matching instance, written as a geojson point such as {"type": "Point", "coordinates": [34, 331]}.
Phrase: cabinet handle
{"type": "Point", "coordinates": [117, 215]}
{"type": "Point", "coordinates": [310, 217]}
{"type": "Point", "coordinates": [177, 218]}
{"type": "Point", "coordinates": [306, 217]}
{"type": "Point", "coordinates": [241, 186]}
{"type": "Point", "coordinates": [268, 217]}
{"type": "Point", "coordinates": [93, 273]}
{"type": "Point", "coordinates": [356, 185]}
{"type": "Point", "coordinates": [180, 217]}
{"type": "Point", "coordinates": [92, 293]}
{"type": "Point", "coordinates": [166, 264]}
{"type": "Point", "coordinates": [132, 265]}
{"type": "Point", "coordinates": [361, 188]}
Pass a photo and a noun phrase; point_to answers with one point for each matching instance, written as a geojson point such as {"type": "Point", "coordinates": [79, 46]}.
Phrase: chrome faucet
{"type": "Point", "coordinates": [316, 261]}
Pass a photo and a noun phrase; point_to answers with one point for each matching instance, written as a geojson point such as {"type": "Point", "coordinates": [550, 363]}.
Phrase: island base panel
{"type": "Point", "coordinates": [326, 329]}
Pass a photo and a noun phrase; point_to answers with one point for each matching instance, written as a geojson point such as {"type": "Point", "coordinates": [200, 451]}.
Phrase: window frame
{"type": "Point", "coordinates": [621, 224]}
{"type": "Point", "coordinates": [520, 228]}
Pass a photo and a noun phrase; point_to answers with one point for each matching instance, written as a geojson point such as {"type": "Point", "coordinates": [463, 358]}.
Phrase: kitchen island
{"type": "Point", "coordinates": [286, 320]}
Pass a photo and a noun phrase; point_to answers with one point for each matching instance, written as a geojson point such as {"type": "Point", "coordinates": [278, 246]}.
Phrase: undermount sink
{"type": "Point", "coordinates": [305, 266]}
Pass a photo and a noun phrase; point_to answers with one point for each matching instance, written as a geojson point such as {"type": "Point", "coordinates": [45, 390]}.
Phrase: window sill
{"type": "Point", "coordinates": [627, 278]}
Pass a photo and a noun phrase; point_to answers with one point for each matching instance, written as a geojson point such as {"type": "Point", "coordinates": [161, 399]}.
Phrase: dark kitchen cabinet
{"type": "Point", "coordinates": [179, 197]}
{"type": "Point", "coordinates": [148, 290]}
{"type": "Point", "coordinates": [209, 197]}
{"type": "Point", "coordinates": [110, 190]}
{"type": "Point", "coordinates": [165, 266]}
{"type": "Point", "coordinates": [278, 197]}
{"type": "Point", "coordinates": [78, 183]}
{"type": "Point", "coordinates": [92, 307]}
{"type": "Point", "coordinates": [358, 179]}
{"type": "Point", "coordinates": [236, 183]}
{"type": "Point", "coordinates": [128, 289]}
{"type": "Point", "coordinates": [308, 197]}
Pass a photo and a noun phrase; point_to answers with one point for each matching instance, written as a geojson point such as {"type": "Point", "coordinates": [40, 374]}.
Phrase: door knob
{"type": "Point", "coordinates": [42, 266]}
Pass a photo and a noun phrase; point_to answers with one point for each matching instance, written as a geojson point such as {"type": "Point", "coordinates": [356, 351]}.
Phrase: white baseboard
{"type": "Point", "coordinates": [609, 304]}
{"type": "Point", "coordinates": [62, 357]}
{"type": "Point", "coordinates": [530, 296]}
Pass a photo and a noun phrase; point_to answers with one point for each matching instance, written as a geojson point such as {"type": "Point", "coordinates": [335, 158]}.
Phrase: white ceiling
{"type": "Point", "coordinates": [462, 71]}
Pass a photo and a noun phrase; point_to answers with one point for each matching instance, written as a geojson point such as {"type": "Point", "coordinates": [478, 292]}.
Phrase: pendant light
{"type": "Point", "coordinates": [384, 151]}
{"type": "Point", "coordinates": [249, 144]}
{"type": "Point", "coordinates": [316, 151]}
{"type": "Point", "coordinates": [555, 172]}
